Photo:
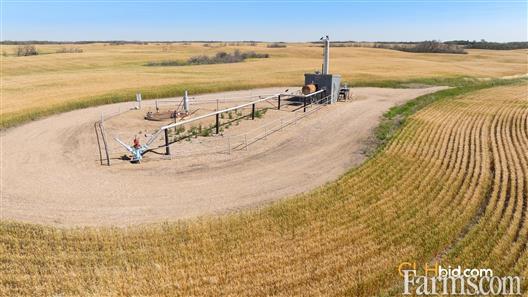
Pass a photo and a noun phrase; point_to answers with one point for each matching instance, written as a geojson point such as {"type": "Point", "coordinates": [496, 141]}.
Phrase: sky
{"type": "Point", "coordinates": [274, 20]}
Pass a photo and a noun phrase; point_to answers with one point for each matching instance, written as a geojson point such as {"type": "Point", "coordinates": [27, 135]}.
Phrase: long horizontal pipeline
{"type": "Point", "coordinates": [302, 95]}
{"type": "Point", "coordinates": [193, 100]}
{"type": "Point", "coordinates": [211, 100]}
{"type": "Point", "coordinates": [215, 113]}
{"type": "Point", "coordinates": [155, 135]}
{"type": "Point", "coordinates": [226, 110]}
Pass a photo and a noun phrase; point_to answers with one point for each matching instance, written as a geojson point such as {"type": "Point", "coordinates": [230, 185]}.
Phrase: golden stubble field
{"type": "Point", "coordinates": [451, 187]}
{"type": "Point", "coordinates": [41, 83]}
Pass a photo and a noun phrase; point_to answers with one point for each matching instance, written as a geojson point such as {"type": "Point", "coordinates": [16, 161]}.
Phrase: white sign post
{"type": "Point", "coordinates": [138, 100]}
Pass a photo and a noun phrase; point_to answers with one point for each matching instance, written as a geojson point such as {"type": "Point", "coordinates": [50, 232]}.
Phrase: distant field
{"type": "Point", "coordinates": [52, 82]}
{"type": "Point", "coordinates": [450, 187]}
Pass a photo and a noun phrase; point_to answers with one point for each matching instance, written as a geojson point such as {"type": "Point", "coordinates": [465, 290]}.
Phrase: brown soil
{"type": "Point", "coordinates": [51, 171]}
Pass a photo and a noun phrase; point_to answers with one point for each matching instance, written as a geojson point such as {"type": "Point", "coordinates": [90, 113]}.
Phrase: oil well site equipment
{"type": "Point", "coordinates": [331, 83]}
{"type": "Point", "coordinates": [320, 88]}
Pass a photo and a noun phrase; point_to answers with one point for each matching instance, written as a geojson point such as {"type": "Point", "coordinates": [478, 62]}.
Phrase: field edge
{"type": "Point", "coordinates": [10, 120]}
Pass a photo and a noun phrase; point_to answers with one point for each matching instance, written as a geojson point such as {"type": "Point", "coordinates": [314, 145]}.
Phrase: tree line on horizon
{"type": "Point", "coordinates": [432, 46]}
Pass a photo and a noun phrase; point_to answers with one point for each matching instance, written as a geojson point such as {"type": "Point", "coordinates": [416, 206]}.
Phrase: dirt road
{"type": "Point", "coordinates": [51, 174]}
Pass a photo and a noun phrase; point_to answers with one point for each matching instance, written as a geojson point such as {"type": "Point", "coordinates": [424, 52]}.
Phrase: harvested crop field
{"type": "Point", "coordinates": [36, 86]}
{"type": "Point", "coordinates": [51, 171]}
{"type": "Point", "coordinates": [451, 187]}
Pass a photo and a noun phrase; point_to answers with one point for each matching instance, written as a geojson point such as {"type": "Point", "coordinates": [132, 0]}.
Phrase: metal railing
{"type": "Point", "coordinates": [216, 114]}
{"type": "Point", "coordinates": [223, 144]}
{"type": "Point", "coordinates": [241, 142]}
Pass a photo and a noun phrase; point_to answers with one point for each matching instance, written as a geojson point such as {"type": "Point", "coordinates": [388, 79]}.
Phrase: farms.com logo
{"type": "Point", "coordinates": [437, 280]}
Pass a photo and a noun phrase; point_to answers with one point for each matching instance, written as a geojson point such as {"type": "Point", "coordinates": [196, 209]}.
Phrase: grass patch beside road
{"type": "Point", "coordinates": [451, 81]}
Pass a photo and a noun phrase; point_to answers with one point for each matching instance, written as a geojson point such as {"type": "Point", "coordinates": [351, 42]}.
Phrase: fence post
{"type": "Point", "coordinates": [101, 126]}
{"type": "Point", "coordinates": [304, 108]}
{"type": "Point", "coordinates": [167, 148]}
{"type": "Point", "coordinates": [253, 111]}
{"type": "Point", "coordinates": [217, 123]}
{"type": "Point", "coordinates": [279, 103]}
{"type": "Point", "coordinates": [98, 143]}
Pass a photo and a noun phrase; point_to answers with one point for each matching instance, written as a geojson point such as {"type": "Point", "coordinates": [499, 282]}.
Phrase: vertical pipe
{"type": "Point", "coordinates": [253, 111]}
{"type": "Point", "coordinates": [326, 64]}
{"type": "Point", "coordinates": [217, 123]}
{"type": "Point", "coordinates": [186, 101]}
{"type": "Point", "coordinates": [167, 148]}
{"type": "Point", "coordinates": [278, 106]}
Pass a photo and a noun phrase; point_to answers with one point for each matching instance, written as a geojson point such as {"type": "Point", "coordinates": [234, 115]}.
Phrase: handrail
{"type": "Point", "coordinates": [284, 123]}
{"type": "Point", "coordinates": [216, 112]}
{"type": "Point", "coordinates": [226, 145]}
{"type": "Point", "coordinates": [233, 108]}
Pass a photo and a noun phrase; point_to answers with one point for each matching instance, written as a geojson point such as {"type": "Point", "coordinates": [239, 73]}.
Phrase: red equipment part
{"type": "Point", "coordinates": [136, 143]}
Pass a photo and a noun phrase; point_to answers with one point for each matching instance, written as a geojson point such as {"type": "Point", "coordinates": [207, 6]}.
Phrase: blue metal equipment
{"type": "Point", "coordinates": [137, 150]}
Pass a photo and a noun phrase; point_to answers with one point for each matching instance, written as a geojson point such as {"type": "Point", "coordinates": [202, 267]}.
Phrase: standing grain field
{"type": "Point", "coordinates": [452, 186]}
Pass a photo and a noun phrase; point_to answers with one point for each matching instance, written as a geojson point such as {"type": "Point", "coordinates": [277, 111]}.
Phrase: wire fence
{"type": "Point", "coordinates": [223, 143]}
{"type": "Point", "coordinates": [227, 144]}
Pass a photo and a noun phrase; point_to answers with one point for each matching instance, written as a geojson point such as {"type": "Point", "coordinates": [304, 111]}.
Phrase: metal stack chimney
{"type": "Point", "coordinates": [326, 53]}
{"type": "Point", "coordinates": [331, 83]}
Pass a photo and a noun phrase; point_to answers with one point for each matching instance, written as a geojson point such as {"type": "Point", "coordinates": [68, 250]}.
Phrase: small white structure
{"type": "Point", "coordinates": [138, 100]}
{"type": "Point", "coordinates": [186, 101]}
